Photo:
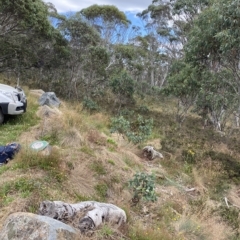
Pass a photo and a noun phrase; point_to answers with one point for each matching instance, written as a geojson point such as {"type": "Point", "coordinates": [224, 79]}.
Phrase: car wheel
{"type": "Point", "coordinates": [1, 116]}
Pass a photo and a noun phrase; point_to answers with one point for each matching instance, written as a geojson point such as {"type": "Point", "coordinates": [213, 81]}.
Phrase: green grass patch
{"type": "Point", "coordinates": [52, 137]}
{"type": "Point", "coordinates": [87, 150]}
{"type": "Point", "coordinates": [98, 168]}
{"type": "Point", "coordinates": [51, 163]}
{"type": "Point", "coordinates": [81, 198]}
{"type": "Point", "coordinates": [4, 168]}
{"type": "Point", "coordinates": [110, 161]}
{"type": "Point", "coordinates": [22, 186]}
{"type": "Point", "coordinates": [15, 125]}
{"type": "Point", "coordinates": [101, 190]}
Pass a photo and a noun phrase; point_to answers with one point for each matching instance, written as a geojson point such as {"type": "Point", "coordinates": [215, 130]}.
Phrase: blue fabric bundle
{"type": "Point", "coordinates": [7, 152]}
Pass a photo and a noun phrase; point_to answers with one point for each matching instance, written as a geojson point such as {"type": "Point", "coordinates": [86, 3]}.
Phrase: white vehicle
{"type": "Point", "coordinates": [13, 101]}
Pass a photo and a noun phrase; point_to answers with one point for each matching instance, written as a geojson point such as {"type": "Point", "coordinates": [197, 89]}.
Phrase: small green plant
{"type": "Point", "coordinates": [3, 169]}
{"type": "Point", "coordinates": [101, 190]}
{"type": "Point", "coordinates": [129, 162]}
{"type": "Point", "coordinates": [120, 125]}
{"type": "Point", "coordinates": [137, 130]}
{"type": "Point", "coordinates": [110, 161]}
{"type": "Point", "coordinates": [189, 156]}
{"type": "Point", "coordinates": [98, 167]}
{"type": "Point", "coordinates": [187, 168]}
{"type": "Point", "coordinates": [112, 142]}
{"type": "Point", "coordinates": [80, 198]}
{"type": "Point", "coordinates": [87, 150]}
{"type": "Point", "coordinates": [23, 186]}
{"type": "Point", "coordinates": [122, 86]}
{"type": "Point", "coordinates": [191, 229]}
{"type": "Point", "coordinates": [143, 109]}
{"type": "Point", "coordinates": [143, 186]}
{"type": "Point", "coordinates": [70, 165]}
{"type": "Point", "coordinates": [230, 215]}
{"type": "Point", "coordinates": [90, 105]}
{"type": "Point", "coordinates": [105, 232]}
{"type": "Point", "coordinates": [52, 137]}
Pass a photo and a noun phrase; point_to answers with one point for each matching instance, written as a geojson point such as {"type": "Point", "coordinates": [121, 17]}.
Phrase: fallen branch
{"type": "Point", "coordinates": [233, 205]}
{"type": "Point", "coordinates": [95, 213]}
{"type": "Point", "coordinates": [226, 201]}
{"type": "Point", "coordinates": [190, 189]}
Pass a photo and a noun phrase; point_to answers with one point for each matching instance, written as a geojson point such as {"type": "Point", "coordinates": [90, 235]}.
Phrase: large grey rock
{"type": "Point", "coordinates": [29, 226]}
{"type": "Point", "coordinates": [50, 99]}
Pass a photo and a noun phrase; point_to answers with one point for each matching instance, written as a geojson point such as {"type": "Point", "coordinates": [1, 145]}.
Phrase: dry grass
{"type": "Point", "coordinates": [88, 161]}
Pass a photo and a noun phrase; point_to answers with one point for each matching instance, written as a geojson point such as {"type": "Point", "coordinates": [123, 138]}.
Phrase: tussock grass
{"type": "Point", "coordinates": [89, 163]}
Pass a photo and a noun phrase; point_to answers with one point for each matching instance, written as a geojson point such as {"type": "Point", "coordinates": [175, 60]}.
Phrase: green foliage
{"type": "Point", "coordinates": [99, 59]}
{"type": "Point", "coordinates": [3, 169]}
{"type": "Point", "coordinates": [32, 41]}
{"type": "Point", "coordinates": [192, 229]}
{"type": "Point", "coordinates": [52, 137]}
{"type": "Point", "coordinates": [101, 190]}
{"type": "Point", "coordinates": [143, 109]}
{"type": "Point", "coordinates": [107, 13]}
{"type": "Point", "coordinates": [50, 163]}
{"type": "Point", "coordinates": [123, 85]}
{"type": "Point", "coordinates": [124, 52]}
{"type": "Point", "coordinates": [143, 186]}
{"type": "Point", "coordinates": [230, 215]}
{"type": "Point", "coordinates": [28, 14]}
{"type": "Point", "coordinates": [120, 125]}
{"type": "Point", "coordinates": [98, 167]}
{"type": "Point", "coordinates": [149, 233]}
{"type": "Point", "coordinates": [105, 232]}
{"type": "Point", "coordinates": [189, 156]}
{"type": "Point", "coordinates": [87, 150]}
{"type": "Point", "coordinates": [138, 130]}
{"type": "Point", "coordinates": [183, 80]}
{"type": "Point", "coordinates": [229, 163]}
{"type": "Point", "coordinates": [110, 161]}
{"type": "Point", "coordinates": [15, 125]}
{"type": "Point", "coordinates": [89, 104]}
{"type": "Point", "coordinates": [81, 198]}
{"type": "Point", "coordinates": [111, 141]}
{"type": "Point", "coordinates": [23, 186]}
{"type": "Point", "coordinates": [141, 129]}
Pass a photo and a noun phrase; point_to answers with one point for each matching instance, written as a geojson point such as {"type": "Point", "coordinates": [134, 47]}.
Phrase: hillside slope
{"type": "Point", "coordinates": [196, 182]}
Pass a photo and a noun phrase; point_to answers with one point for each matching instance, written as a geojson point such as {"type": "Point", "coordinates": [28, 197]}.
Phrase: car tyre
{"type": "Point", "coordinates": [1, 116]}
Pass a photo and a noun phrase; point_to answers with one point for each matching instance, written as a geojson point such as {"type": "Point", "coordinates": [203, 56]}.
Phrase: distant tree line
{"type": "Point", "coordinates": [188, 49]}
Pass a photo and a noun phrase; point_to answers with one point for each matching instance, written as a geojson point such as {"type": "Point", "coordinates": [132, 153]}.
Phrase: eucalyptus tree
{"type": "Point", "coordinates": [26, 36]}
{"type": "Point", "coordinates": [167, 23]}
{"type": "Point", "coordinates": [111, 23]}
{"type": "Point", "coordinates": [88, 59]}
{"type": "Point", "coordinates": [153, 59]}
{"type": "Point", "coordinates": [114, 29]}
{"type": "Point", "coordinates": [214, 44]}
{"type": "Point", "coordinates": [183, 83]}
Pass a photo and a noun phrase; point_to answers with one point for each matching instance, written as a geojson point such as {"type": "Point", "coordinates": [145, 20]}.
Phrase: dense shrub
{"type": "Point", "coordinates": [143, 186]}
{"type": "Point", "coordinates": [137, 130]}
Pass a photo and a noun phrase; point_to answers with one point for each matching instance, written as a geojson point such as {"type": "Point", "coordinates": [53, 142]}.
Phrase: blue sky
{"type": "Point", "coordinates": [130, 7]}
{"type": "Point", "coordinates": [123, 5]}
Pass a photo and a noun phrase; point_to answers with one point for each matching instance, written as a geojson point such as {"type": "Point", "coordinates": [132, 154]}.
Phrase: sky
{"type": "Point", "coordinates": [63, 6]}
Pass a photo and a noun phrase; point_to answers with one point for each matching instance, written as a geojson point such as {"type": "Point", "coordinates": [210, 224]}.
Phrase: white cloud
{"type": "Point", "coordinates": [77, 5]}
